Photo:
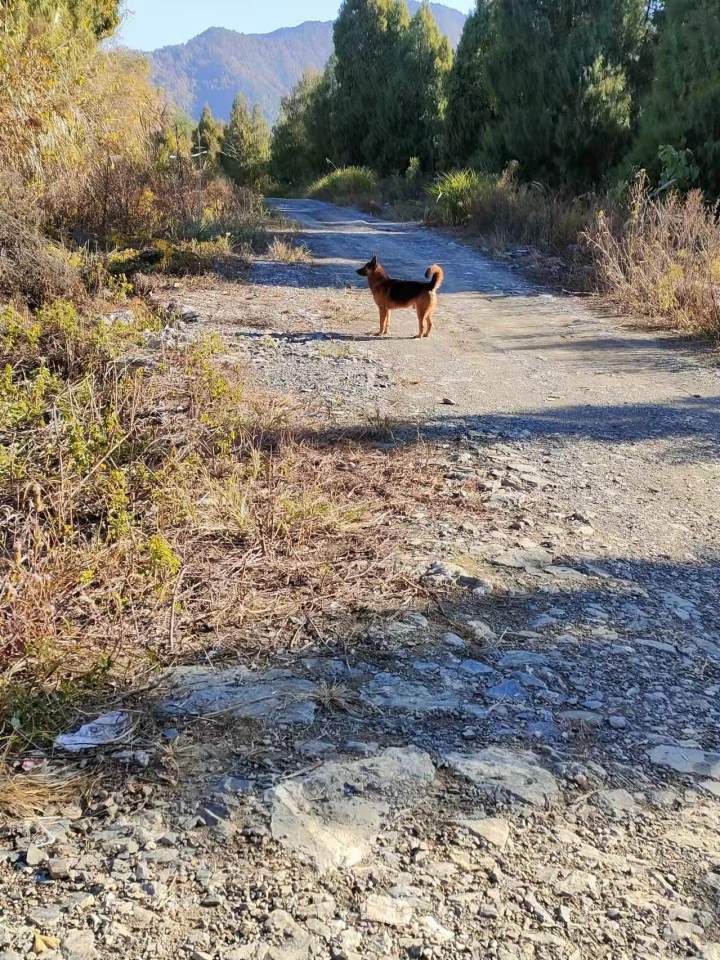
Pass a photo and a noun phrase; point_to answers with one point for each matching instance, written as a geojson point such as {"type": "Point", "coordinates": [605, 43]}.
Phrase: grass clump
{"type": "Point", "coordinates": [349, 185]}
{"type": "Point", "coordinates": [505, 212]}
{"type": "Point", "coordinates": [285, 250]}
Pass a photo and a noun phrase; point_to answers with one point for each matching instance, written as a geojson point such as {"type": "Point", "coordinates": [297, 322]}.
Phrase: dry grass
{"type": "Point", "coordinates": [147, 515]}
{"type": "Point", "coordinates": [663, 261]}
{"type": "Point", "coordinates": [32, 268]}
{"type": "Point", "coordinates": [285, 250]}
{"type": "Point", "coordinates": [27, 795]}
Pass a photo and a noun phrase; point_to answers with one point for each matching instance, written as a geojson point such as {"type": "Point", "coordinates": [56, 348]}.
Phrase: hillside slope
{"type": "Point", "coordinates": [218, 64]}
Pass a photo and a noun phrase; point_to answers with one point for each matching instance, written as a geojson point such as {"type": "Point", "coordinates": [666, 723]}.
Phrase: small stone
{"type": "Point", "coordinates": [46, 916]}
{"type": "Point", "coordinates": [585, 718]}
{"type": "Point", "coordinates": [386, 910]}
{"type": "Point", "coordinates": [491, 829]}
{"type": "Point", "coordinates": [213, 812]}
{"type": "Point", "coordinates": [35, 856]}
{"type": "Point", "coordinates": [476, 668]}
{"type": "Point", "coordinates": [435, 930]}
{"type": "Point", "coordinates": [453, 641]}
{"type": "Point", "coordinates": [315, 748]}
{"type": "Point", "coordinates": [482, 632]}
{"type": "Point", "coordinates": [515, 659]}
{"type": "Point", "coordinates": [361, 749]}
{"type": "Point", "coordinates": [677, 930]}
{"type": "Point", "coordinates": [59, 868]}
{"type": "Point", "coordinates": [79, 945]}
{"type": "Point", "coordinates": [618, 803]}
{"type": "Point", "coordinates": [576, 883]}
{"type": "Point", "coordinates": [507, 690]}
{"type": "Point", "coordinates": [617, 722]}
{"type": "Point", "coordinates": [247, 951]}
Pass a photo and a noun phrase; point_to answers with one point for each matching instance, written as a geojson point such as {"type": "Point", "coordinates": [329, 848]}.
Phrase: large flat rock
{"type": "Point", "coordinates": [275, 695]}
{"type": "Point", "coordinates": [687, 760]}
{"type": "Point", "coordinates": [502, 773]}
{"type": "Point", "coordinates": [393, 692]}
{"type": "Point", "coordinates": [333, 815]}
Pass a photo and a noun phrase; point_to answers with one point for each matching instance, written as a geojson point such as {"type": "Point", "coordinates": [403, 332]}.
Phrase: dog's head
{"type": "Point", "coordinates": [370, 267]}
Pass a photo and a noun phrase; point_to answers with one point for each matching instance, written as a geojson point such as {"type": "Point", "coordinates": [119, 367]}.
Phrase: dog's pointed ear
{"type": "Point", "coordinates": [374, 260]}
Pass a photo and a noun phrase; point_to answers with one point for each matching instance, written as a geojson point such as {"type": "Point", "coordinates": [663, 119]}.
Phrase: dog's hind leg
{"type": "Point", "coordinates": [427, 320]}
{"type": "Point", "coordinates": [420, 310]}
{"type": "Point", "coordinates": [385, 322]}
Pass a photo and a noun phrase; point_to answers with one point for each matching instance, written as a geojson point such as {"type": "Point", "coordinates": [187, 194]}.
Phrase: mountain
{"type": "Point", "coordinates": [218, 64]}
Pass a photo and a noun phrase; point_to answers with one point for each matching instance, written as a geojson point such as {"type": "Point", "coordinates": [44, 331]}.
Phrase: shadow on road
{"type": "Point", "coordinates": [693, 422]}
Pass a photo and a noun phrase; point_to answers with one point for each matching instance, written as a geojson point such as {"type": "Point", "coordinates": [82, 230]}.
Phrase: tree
{"type": "Point", "coordinates": [683, 109]}
{"type": "Point", "coordinates": [206, 141]}
{"type": "Point", "coordinates": [245, 145]}
{"type": "Point", "coordinates": [560, 91]}
{"type": "Point", "coordinates": [469, 104]}
{"type": "Point", "coordinates": [101, 17]}
{"type": "Point", "coordinates": [419, 93]}
{"type": "Point", "coordinates": [301, 135]}
{"type": "Point", "coordinates": [369, 43]}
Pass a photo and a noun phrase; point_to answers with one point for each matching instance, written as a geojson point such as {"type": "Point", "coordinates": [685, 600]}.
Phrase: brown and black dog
{"type": "Point", "coordinates": [391, 294]}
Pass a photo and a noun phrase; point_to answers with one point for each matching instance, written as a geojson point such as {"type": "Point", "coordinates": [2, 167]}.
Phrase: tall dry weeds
{"type": "Point", "coordinates": [662, 261]}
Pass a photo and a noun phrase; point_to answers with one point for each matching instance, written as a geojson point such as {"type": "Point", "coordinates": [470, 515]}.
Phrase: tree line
{"type": "Point", "coordinates": [239, 148]}
{"type": "Point", "coordinates": [577, 93]}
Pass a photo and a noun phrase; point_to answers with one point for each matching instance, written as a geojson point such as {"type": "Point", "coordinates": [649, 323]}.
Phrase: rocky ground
{"type": "Point", "coordinates": [526, 766]}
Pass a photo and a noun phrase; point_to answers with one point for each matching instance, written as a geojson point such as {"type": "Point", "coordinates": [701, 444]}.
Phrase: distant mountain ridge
{"type": "Point", "coordinates": [218, 64]}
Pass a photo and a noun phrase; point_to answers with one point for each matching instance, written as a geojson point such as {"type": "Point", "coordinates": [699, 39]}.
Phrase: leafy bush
{"type": "Point", "coordinates": [346, 185]}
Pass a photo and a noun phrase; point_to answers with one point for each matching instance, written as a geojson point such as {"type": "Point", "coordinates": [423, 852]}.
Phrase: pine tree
{"type": "Point", "coordinates": [298, 149]}
{"type": "Point", "coordinates": [418, 95]}
{"type": "Point", "coordinates": [559, 86]}
{"type": "Point", "coordinates": [469, 105]}
{"type": "Point", "coordinates": [369, 43]}
{"type": "Point", "coordinates": [245, 145]}
{"type": "Point", "coordinates": [206, 141]}
{"type": "Point", "coordinates": [683, 109]}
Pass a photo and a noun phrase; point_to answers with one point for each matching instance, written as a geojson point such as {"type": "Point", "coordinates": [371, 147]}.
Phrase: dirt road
{"type": "Point", "coordinates": [526, 766]}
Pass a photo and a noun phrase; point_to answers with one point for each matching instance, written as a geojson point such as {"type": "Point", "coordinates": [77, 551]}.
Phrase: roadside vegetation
{"type": "Point", "coordinates": [152, 504]}
{"type": "Point", "coordinates": [594, 137]}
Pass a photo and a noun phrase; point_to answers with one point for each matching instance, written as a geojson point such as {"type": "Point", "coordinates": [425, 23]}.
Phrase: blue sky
{"type": "Point", "coordinates": [155, 23]}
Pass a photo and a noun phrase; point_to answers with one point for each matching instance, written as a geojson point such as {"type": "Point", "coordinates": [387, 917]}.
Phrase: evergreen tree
{"type": "Point", "coordinates": [245, 145]}
{"type": "Point", "coordinates": [559, 87]}
{"type": "Point", "coordinates": [206, 141]}
{"type": "Point", "coordinates": [369, 43]}
{"type": "Point", "coordinates": [301, 135]}
{"type": "Point", "coordinates": [683, 109]}
{"type": "Point", "coordinates": [469, 105]}
{"type": "Point", "coordinates": [419, 92]}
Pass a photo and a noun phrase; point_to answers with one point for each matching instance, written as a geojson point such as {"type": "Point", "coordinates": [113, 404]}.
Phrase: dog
{"type": "Point", "coordinates": [391, 294]}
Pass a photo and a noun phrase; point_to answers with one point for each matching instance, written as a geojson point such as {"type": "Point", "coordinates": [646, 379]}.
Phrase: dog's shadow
{"type": "Point", "coordinates": [316, 336]}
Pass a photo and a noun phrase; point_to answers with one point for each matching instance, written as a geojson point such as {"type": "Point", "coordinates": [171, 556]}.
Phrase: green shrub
{"type": "Point", "coordinates": [346, 185]}
{"type": "Point", "coordinates": [456, 195]}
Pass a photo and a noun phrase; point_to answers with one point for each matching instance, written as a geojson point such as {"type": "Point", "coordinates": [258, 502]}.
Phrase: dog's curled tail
{"type": "Point", "coordinates": [435, 275]}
